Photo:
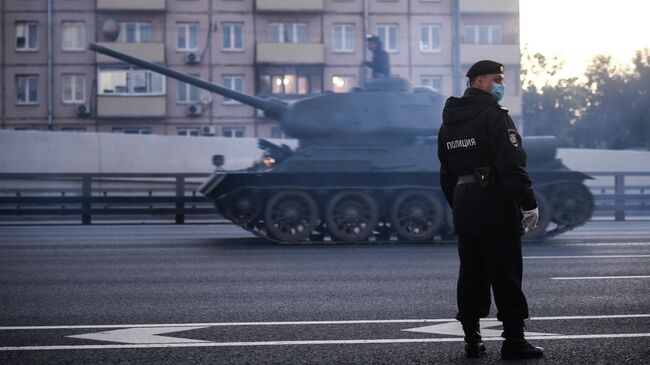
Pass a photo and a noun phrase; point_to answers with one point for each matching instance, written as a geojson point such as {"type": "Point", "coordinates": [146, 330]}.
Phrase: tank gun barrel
{"type": "Point", "coordinates": [272, 108]}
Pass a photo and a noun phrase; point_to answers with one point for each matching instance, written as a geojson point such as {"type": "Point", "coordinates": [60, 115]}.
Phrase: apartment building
{"type": "Point", "coordinates": [270, 48]}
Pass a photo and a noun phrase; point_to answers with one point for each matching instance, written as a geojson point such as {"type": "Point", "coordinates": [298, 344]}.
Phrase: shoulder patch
{"type": "Point", "coordinates": [512, 135]}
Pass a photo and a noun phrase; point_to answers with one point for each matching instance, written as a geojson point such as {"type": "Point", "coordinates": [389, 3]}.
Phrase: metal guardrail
{"type": "Point", "coordinates": [89, 198]}
{"type": "Point", "coordinates": [622, 197]}
{"type": "Point", "coordinates": [129, 194]}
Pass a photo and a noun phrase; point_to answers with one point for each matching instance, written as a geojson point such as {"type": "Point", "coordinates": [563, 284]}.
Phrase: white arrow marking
{"type": "Point", "coordinates": [456, 329]}
{"type": "Point", "coordinates": [140, 335]}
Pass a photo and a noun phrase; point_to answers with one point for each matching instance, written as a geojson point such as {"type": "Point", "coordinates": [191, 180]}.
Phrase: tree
{"type": "Point", "coordinates": [618, 113]}
{"type": "Point", "coordinates": [610, 108]}
{"type": "Point", "coordinates": [551, 105]}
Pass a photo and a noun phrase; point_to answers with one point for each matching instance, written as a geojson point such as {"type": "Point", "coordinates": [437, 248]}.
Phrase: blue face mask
{"type": "Point", "coordinates": [498, 90]}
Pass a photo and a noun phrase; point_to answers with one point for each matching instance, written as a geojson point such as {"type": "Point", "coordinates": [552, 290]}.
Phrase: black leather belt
{"type": "Point", "coordinates": [466, 179]}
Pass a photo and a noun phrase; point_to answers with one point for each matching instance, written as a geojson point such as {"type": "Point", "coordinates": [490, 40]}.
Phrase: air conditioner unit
{"type": "Point", "coordinates": [83, 109]}
{"type": "Point", "coordinates": [208, 130]}
{"type": "Point", "coordinates": [194, 110]}
{"type": "Point", "coordinates": [192, 58]}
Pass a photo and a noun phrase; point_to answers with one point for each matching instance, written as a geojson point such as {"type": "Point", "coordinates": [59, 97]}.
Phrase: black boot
{"type": "Point", "coordinates": [473, 343]}
{"type": "Point", "coordinates": [515, 345]}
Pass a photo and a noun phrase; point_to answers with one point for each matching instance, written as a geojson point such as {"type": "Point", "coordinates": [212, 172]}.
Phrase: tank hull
{"type": "Point", "coordinates": [376, 194]}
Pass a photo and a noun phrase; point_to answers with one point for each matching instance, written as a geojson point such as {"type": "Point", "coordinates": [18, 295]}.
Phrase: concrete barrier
{"type": "Point", "coordinates": [34, 151]}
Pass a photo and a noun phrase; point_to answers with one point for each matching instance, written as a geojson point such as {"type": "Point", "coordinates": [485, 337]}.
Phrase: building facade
{"type": "Point", "coordinates": [270, 48]}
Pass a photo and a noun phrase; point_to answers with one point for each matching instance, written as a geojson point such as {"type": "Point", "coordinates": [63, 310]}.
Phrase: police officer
{"type": "Point", "coordinates": [484, 179]}
{"type": "Point", "coordinates": [380, 64]}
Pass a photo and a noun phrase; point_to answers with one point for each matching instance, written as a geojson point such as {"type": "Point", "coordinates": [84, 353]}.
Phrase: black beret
{"type": "Point", "coordinates": [484, 67]}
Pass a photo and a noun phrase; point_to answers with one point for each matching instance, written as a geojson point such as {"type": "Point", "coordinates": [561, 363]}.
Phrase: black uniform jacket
{"type": "Point", "coordinates": [380, 64]}
{"type": "Point", "coordinates": [478, 137]}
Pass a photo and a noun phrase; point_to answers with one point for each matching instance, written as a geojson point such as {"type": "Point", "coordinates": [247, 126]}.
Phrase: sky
{"type": "Point", "coordinates": [577, 30]}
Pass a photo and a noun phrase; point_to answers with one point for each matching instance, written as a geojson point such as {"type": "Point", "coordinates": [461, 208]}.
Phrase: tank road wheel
{"type": "Point", "coordinates": [291, 216]}
{"type": "Point", "coordinates": [571, 204]}
{"type": "Point", "coordinates": [351, 215]}
{"type": "Point", "coordinates": [244, 208]}
{"type": "Point", "coordinates": [545, 212]}
{"type": "Point", "coordinates": [416, 215]}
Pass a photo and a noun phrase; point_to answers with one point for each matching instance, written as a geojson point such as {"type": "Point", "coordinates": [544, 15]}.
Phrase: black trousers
{"type": "Point", "coordinates": [490, 261]}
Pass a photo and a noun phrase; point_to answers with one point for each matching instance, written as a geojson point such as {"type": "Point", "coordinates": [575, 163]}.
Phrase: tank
{"type": "Point", "coordinates": [365, 168]}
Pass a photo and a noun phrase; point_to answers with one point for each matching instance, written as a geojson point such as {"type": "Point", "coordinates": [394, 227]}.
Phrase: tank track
{"type": "Point", "coordinates": [345, 213]}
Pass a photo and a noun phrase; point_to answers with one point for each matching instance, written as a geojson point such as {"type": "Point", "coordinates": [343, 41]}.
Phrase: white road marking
{"type": "Point", "coordinates": [621, 244]}
{"type": "Point", "coordinates": [603, 277]}
{"type": "Point", "coordinates": [222, 324]}
{"type": "Point", "coordinates": [294, 323]}
{"type": "Point", "coordinates": [315, 342]}
{"type": "Point", "coordinates": [586, 257]}
{"type": "Point", "coordinates": [609, 316]}
{"type": "Point", "coordinates": [456, 329]}
{"type": "Point", "coordinates": [140, 335]}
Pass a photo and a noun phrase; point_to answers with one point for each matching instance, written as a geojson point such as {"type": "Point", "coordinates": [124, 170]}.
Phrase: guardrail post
{"type": "Point", "coordinates": [180, 199]}
{"type": "Point", "coordinates": [86, 192]}
{"type": "Point", "coordinates": [619, 200]}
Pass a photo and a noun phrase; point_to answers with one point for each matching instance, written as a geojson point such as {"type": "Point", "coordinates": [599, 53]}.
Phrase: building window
{"type": "Point", "coordinates": [26, 36]}
{"type": "Point", "coordinates": [432, 81]}
{"type": "Point", "coordinates": [135, 32]}
{"type": "Point", "coordinates": [129, 81]}
{"type": "Point", "coordinates": [429, 38]}
{"type": "Point", "coordinates": [388, 35]}
{"type": "Point", "coordinates": [290, 80]}
{"type": "Point", "coordinates": [74, 36]}
{"type": "Point", "coordinates": [343, 36]}
{"type": "Point", "coordinates": [132, 130]}
{"type": "Point", "coordinates": [187, 36]}
{"type": "Point", "coordinates": [233, 82]}
{"type": "Point", "coordinates": [73, 129]}
{"type": "Point", "coordinates": [484, 34]}
{"type": "Point", "coordinates": [26, 89]}
{"type": "Point", "coordinates": [232, 132]}
{"type": "Point", "coordinates": [187, 94]}
{"type": "Point", "coordinates": [342, 84]}
{"type": "Point", "coordinates": [233, 36]}
{"type": "Point", "coordinates": [191, 132]}
{"type": "Point", "coordinates": [288, 33]}
{"type": "Point", "coordinates": [74, 89]}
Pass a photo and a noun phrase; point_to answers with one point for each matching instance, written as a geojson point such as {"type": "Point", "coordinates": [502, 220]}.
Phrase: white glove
{"type": "Point", "coordinates": [529, 221]}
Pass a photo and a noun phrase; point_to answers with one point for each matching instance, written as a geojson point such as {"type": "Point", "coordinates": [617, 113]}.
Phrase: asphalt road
{"type": "Point", "coordinates": [213, 294]}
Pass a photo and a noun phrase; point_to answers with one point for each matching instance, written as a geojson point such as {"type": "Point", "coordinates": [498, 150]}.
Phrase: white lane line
{"type": "Point", "coordinates": [621, 244]}
{"type": "Point", "coordinates": [218, 324]}
{"type": "Point", "coordinates": [586, 257]}
{"type": "Point", "coordinates": [315, 342]}
{"type": "Point", "coordinates": [603, 277]}
{"type": "Point", "coordinates": [294, 323]}
{"type": "Point", "coordinates": [609, 316]}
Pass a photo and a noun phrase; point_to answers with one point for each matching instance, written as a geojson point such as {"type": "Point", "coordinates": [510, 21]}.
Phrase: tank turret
{"type": "Point", "coordinates": [365, 169]}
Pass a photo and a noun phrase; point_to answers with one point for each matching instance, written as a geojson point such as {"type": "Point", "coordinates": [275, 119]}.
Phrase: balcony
{"type": "Point", "coordinates": [114, 106]}
{"type": "Point", "coordinates": [285, 6]}
{"type": "Point", "coordinates": [492, 6]}
{"type": "Point", "coordinates": [291, 53]}
{"type": "Point", "coordinates": [508, 54]}
{"type": "Point", "coordinates": [144, 5]}
{"type": "Point", "coordinates": [152, 52]}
